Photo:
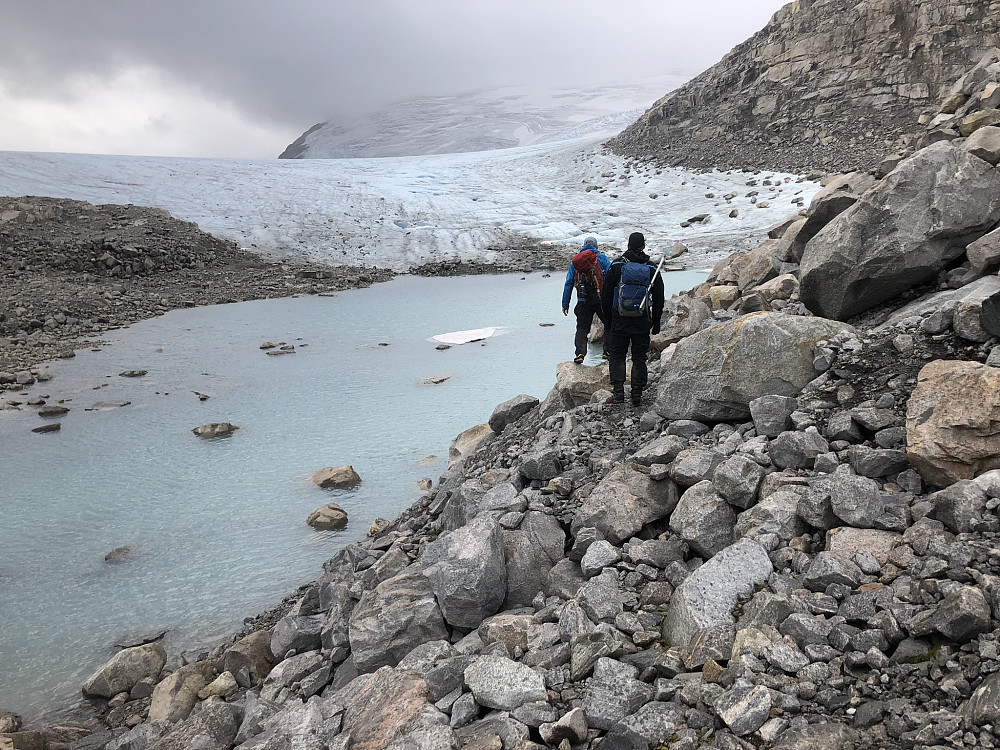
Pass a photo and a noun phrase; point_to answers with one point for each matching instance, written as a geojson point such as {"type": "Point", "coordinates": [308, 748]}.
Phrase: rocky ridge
{"type": "Point", "coordinates": [795, 548]}
{"type": "Point", "coordinates": [827, 84]}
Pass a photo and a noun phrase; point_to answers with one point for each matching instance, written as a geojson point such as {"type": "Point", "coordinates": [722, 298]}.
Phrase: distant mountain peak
{"type": "Point", "coordinates": [481, 121]}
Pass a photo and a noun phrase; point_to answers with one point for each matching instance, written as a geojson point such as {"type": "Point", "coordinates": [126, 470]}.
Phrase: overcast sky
{"type": "Point", "coordinates": [246, 77]}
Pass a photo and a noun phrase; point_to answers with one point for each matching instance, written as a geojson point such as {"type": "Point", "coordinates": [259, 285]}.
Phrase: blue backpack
{"type": "Point", "coordinates": [633, 290]}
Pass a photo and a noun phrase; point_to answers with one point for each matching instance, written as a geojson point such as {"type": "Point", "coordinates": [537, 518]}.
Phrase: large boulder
{"type": "Point", "coordinates": [953, 421]}
{"type": "Point", "coordinates": [510, 411]}
{"type": "Point", "coordinates": [391, 708]}
{"type": "Point", "coordinates": [682, 316]}
{"type": "Point", "coordinates": [703, 519]}
{"type": "Point", "coordinates": [214, 727]}
{"type": "Point", "coordinates": [530, 552]}
{"type": "Point", "coordinates": [901, 232]}
{"type": "Point", "coordinates": [394, 618]}
{"type": "Point", "coordinates": [838, 195]}
{"type": "Point", "coordinates": [468, 442]}
{"type": "Point", "coordinates": [976, 292]}
{"type": "Point", "coordinates": [623, 502]}
{"type": "Point", "coordinates": [504, 684]}
{"type": "Point", "coordinates": [575, 384]}
{"type": "Point", "coordinates": [709, 595]}
{"type": "Point", "coordinates": [174, 697]}
{"type": "Point", "coordinates": [715, 374]}
{"type": "Point", "coordinates": [336, 477]}
{"type": "Point", "coordinates": [468, 572]}
{"type": "Point", "coordinates": [125, 670]}
{"type": "Point", "coordinates": [328, 518]}
{"type": "Point", "coordinates": [984, 253]}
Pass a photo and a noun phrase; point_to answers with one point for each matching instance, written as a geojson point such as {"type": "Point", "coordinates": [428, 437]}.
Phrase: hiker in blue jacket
{"type": "Point", "coordinates": [586, 275]}
{"type": "Point", "coordinates": [632, 301]}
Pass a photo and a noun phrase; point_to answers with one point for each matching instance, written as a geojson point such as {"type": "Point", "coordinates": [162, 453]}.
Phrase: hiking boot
{"type": "Point", "coordinates": [636, 398]}
{"type": "Point", "coordinates": [579, 358]}
{"type": "Point", "coordinates": [618, 397]}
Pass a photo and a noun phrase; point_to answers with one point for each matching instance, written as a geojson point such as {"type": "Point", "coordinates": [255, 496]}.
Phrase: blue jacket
{"type": "Point", "coordinates": [602, 261]}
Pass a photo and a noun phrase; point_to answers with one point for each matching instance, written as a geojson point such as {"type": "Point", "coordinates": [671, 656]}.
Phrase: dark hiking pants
{"type": "Point", "coordinates": [618, 342]}
{"type": "Point", "coordinates": [585, 313]}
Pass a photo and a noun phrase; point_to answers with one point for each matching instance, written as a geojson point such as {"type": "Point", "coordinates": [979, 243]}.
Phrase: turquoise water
{"type": "Point", "coordinates": [219, 525]}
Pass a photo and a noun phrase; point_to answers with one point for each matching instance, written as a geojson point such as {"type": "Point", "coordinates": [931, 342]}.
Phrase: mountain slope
{"type": "Point", "coordinates": [481, 121]}
{"type": "Point", "coordinates": [831, 84]}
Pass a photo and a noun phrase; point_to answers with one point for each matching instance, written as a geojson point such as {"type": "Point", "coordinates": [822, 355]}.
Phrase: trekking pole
{"type": "Point", "coordinates": [645, 297]}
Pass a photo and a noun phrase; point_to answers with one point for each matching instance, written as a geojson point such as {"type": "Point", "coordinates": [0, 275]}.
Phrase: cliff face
{"type": "Point", "coordinates": [828, 84]}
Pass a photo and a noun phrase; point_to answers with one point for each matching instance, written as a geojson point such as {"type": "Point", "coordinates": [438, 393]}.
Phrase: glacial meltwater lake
{"type": "Point", "coordinates": [219, 525]}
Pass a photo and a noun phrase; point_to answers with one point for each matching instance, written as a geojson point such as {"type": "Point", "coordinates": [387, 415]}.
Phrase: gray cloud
{"type": "Point", "coordinates": [286, 65]}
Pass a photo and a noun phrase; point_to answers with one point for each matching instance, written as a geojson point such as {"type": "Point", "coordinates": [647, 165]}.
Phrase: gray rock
{"type": "Point", "coordinates": [984, 705]}
{"type": "Point", "coordinates": [602, 597]}
{"type": "Point", "coordinates": [708, 596]}
{"type": "Point", "coordinates": [542, 465]}
{"type": "Point", "coordinates": [564, 579]}
{"type": "Point", "coordinates": [815, 508]}
{"type": "Point", "coordinates": [767, 608]}
{"type": "Point", "coordinates": [651, 724]}
{"type": "Point", "coordinates": [826, 735]}
{"type": "Point", "coordinates": [571, 726]}
{"type": "Point", "coordinates": [510, 411]}
{"type": "Point", "coordinates": [663, 450]}
{"type": "Point", "coordinates": [715, 643]}
{"type": "Point", "coordinates": [504, 684]}
{"type": "Point", "coordinates": [423, 658]}
{"type": "Point", "coordinates": [704, 520]}
{"type": "Point", "coordinates": [296, 633]}
{"type": "Point", "coordinates": [772, 414]}
{"type": "Point", "coordinates": [963, 615]}
{"type": "Point", "coordinates": [876, 462]}
{"type": "Point", "coordinates": [213, 727]}
{"type": "Point", "coordinates": [744, 708]}
{"type": "Point", "coordinates": [738, 479]}
{"type": "Point", "coordinates": [959, 507]}
{"type": "Point", "coordinates": [785, 657]}
{"type": "Point", "coordinates": [841, 426]}
{"type": "Point", "coordinates": [599, 555]}
{"type": "Point", "coordinates": [174, 697]}
{"type": "Point", "coordinates": [393, 619]}
{"type": "Point", "coordinates": [797, 450]}
{"type": "Point", "coordinates": [657, 552]}
{"type": "Point", "coordinates": [536, 714]}
{"type": "Point", "coordinates": [894, 237]}
{"type": "Point", "coordinates": [715, 374]}
{"type": "Point", "coordinates": [694, 465]}
{"type": "Point", "coordinates": [531, 551]}
{"type": "Point", "coordinates": [463, 710]}
{"type": "Point", "coordinates": [125, 669]}
{"type": "Point", "coordinates": [467, 571]}
{"type": "Point", "coordinates": [448, 675]}
{"type": "Point", "coordinates": [857, 501]}
{"type": "Point", "coordinates": [613, 693]}
{"type": "Point", "coordinates": [984, 253]}
{"type": "Point", "coordinates": [776, 514]}
{"type": "Point", "coordinates": [826, 569]}
{"type": "Point", "coordinates": [623, 502]}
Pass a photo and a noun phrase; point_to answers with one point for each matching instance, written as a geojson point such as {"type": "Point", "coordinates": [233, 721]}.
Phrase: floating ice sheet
{"type": "Point", "coordinates": [465, 337]}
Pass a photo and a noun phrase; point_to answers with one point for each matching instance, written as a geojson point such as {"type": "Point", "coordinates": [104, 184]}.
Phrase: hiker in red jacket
{"type": "Point", "coordinates": [586, 274]}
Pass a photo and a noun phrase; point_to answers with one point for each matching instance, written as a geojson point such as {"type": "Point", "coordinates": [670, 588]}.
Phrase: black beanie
{"type": "Point", "coordinates": [636, 241]}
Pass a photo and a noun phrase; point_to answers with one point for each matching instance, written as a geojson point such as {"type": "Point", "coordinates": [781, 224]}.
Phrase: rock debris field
{"type": "Point", "coordinates": [792, 543]}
